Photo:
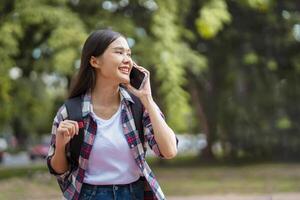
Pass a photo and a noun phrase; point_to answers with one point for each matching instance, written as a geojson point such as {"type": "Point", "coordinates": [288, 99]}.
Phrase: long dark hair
{"type": "Point", "coordinates": [95, 45]}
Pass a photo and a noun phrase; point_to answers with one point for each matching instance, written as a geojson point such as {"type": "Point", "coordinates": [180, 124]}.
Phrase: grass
{"type": "Point", "coordinates": [188, 176]}
{"type": "Point", "coordinates": [9, 172]}
{"type": "Point", "coordinates": [183, 176]}
{"type": "Point", "coordinates": [208, 180]}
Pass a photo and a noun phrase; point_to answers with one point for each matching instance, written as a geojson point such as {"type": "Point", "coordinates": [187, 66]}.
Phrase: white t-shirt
{"type": "Point", "coordinates": [111, 160]}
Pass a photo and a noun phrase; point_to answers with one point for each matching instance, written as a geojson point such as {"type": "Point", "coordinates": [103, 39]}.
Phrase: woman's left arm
{"type": "Point", "coordinates": [163, 134]}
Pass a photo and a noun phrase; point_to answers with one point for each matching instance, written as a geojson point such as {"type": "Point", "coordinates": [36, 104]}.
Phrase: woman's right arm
{"type": "Point", "coordinates": [64, 133]}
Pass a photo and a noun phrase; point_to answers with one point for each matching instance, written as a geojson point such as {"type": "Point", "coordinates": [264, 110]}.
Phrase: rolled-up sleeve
{"type": "Point", "coordinates": [149, 133]}
{"type": "Point", "coordinates": [60, 116]}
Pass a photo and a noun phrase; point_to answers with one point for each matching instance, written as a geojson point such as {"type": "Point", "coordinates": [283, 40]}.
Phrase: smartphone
{"type": "Point", "coordinates": [137, 78]}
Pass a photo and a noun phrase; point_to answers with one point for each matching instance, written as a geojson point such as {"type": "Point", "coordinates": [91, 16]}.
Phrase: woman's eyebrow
{"type": "Point", "coordinates": [122, 48]}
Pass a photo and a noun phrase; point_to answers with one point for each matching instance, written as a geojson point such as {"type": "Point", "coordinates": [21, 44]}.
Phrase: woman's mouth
{"type": "Point", "coordinates": [124, 70]}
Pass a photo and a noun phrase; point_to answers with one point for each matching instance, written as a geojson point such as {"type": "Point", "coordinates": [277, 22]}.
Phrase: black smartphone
{"type": "Point", "coordinates": [137, 78]}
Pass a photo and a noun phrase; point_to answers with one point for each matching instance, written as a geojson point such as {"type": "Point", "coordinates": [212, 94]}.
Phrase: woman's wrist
{"type": "Point", "coordinates": [60, 148]}
{"type": "Point", "coordinates": [147, 101]}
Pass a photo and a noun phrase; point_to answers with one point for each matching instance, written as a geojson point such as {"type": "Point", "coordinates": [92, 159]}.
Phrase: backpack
{"type": "Point", "coordinates": [74, 110]}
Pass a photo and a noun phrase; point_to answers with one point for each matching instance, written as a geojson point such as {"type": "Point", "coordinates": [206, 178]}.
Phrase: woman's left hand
{"type": "Point", "coordinates": [143, 93]}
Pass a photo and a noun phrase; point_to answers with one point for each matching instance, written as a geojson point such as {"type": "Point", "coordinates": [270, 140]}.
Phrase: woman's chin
{"type": "Point", "coordinates": [124, 80]}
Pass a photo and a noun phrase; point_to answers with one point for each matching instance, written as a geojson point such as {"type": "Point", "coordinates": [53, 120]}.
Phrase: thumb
{"type": "Point", "coordinates": [131, 88]}
{"type": "Point", "coordinates": [126, 85]}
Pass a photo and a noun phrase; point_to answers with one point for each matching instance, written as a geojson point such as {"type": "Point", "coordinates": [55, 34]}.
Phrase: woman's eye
{"type": "Point", "coordinates": [120, 52]}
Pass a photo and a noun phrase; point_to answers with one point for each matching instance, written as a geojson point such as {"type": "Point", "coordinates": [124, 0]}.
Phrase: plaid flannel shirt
{"type": "Point", "coordinates": [71, 181]}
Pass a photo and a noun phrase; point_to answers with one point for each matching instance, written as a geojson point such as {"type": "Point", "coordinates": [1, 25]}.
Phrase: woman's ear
{"type": "Point", "coordinates": [95, 62]}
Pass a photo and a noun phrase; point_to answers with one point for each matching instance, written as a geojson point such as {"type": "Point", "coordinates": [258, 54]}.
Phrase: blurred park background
{"type": "Point", "coordinates": [226, 73]}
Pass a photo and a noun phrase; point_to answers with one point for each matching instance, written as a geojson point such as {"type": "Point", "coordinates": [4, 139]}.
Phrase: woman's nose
{"type": "Point", "coordinates": [127, 59]}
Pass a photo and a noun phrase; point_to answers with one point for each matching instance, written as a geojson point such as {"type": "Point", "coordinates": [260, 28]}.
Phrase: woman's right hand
{"type": "Point", "coordinates": [65, 132]}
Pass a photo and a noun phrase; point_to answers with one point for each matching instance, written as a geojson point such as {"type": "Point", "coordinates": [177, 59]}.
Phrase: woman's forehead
{"type": "Point", "coordinates": [120, 43]}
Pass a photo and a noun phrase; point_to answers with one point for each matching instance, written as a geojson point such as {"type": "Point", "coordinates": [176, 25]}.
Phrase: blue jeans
{"type": "Point", "coordinates": [132, 191]}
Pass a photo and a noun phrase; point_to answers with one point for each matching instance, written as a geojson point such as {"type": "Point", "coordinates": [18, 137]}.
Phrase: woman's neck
{"type": "Point", "coordinates": [105, 94]}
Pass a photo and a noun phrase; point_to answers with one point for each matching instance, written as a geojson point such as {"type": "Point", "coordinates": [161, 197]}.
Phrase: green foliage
{"type": "Point", "coordinates": [38, 37]}
{"type": "Point", "coordinates": [284, 123]}
{"type": "Point", "coordinates": [272, 65]}
{"type": "Point", "coordinates": [66, 32]}
{"type": "Point", "coordinates": [261, 5]}
{"type": "Point", "coordinates": [256, 88]}
{"type": "Point", "coordinates": [212, 17]}
{"type": "Point", "coordinates": [10, 33]}
{"type": "Point", "coordinates": [250, 58]}
{"type": "Point", "coordinates": [169, 66]}
{"type": "Point", "coordinates": [36, 102]}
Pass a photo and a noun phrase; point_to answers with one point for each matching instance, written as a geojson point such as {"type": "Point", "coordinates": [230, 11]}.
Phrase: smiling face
{"type": "Point", "coordinates": [115, 63]}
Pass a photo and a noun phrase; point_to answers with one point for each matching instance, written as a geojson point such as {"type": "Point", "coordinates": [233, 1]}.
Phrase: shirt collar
{"type": "Point", "coordinates": [87, 100]}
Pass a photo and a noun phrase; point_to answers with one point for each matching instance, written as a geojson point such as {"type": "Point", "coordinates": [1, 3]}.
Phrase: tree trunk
{"type": "Point", "coordinates": [206, 154]}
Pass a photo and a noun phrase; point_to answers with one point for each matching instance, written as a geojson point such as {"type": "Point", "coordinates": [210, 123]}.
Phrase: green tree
{"type": "Point", "coordinates": [40, 38]}
{"type": "Point", "coordinates": [250, 88]}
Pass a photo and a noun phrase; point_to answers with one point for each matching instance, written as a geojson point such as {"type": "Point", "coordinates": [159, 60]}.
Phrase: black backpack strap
{"type": "Point", "coordinates": [137, 112]}
{"type": "Point", "coordinates": [74, 109]}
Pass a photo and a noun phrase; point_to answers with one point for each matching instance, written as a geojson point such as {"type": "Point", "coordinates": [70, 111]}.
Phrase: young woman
{"type": "Point", "coordinates": [112, 161]}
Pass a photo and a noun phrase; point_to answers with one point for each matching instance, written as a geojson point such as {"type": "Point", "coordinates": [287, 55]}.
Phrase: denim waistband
{"type": "Point", "coordinates": [142, 178]}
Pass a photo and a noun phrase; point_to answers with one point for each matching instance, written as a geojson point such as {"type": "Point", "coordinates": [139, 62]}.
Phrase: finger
{"type": "Point", "coordinates": [70, 128]}
{"type": "Point", "coordinates": [64, 123]}
{"type": "Point", "coordinates": [132, 89]}
{"type": "Point", "coordinates": [72, 124]}
{"type": "Point", "coordinates": [129, 88]}
{"type": "Point", "coordinates": [142, 69]}
{"type": "Point", "coordinates": [65, 132]}
{"type": "Point", "coordinates": [134, 64]}
{"type": "Point", "coordinates": [76, 126]}
{"type": "Point", "coordinates": [146, 72]}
